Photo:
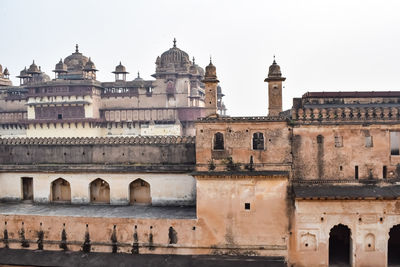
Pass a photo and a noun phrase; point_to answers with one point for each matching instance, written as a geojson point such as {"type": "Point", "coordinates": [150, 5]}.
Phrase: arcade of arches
{"type": "Point", "coordinates": [139, 192]}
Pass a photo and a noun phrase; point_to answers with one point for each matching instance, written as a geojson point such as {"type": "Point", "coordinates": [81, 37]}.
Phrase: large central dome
{"type": "Point", "coordinates": [173, 60]}
{"type": "Point", "coordinates": [76, 62]}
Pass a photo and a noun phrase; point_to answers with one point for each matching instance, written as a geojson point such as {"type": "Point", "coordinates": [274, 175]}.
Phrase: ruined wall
{"type": "Point", "coordinates": [334, 151]}
{"type": "Point", "coordinates": [112, 150]}
{"type": "Point", "coordinates": [238, 144]}
{"type": "Point", "coordinates": [245, 211]}
{"type": "Point", "coordinates": [369, 221]}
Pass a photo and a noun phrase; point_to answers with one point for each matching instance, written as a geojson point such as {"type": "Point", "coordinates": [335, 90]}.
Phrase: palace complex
{"type": "Point", "coordinates": [315, 185]}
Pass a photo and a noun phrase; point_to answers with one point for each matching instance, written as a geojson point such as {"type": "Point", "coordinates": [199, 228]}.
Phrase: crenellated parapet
{"type": "Point", "coordinates": [351, 114]}
{"type": "Point", "coordinates": [132, 140]}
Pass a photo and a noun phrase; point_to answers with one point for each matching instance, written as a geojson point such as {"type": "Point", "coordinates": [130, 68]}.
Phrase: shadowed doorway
{"type": "Point", "coordinates": [60, 190]}
{"type": "Point", "coordinates": [394, 246]}
{"type": "Point", "coordinates": [339, 246]}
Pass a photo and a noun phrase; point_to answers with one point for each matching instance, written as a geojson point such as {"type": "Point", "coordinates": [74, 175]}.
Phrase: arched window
{"type": "Point", "coordinates": [218, 141]}
{"type": "Point", "coordinates": [139, 192]}
{"type": "Point", "coordinates": [99, 191]}
{"type": "Point", "coordinates": [258, 141]}
{"type": "Point", "coordinates": [60, 191]}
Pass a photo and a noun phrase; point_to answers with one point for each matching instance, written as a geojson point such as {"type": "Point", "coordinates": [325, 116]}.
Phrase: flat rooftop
{"type": "Point", "coordinates": [105, 211]}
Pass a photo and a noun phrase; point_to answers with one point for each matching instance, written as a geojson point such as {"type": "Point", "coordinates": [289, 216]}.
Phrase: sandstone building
{"type": "Point", "coordinates": [316, 185]}
{"type": "Point", "coordinates": [75, 103]}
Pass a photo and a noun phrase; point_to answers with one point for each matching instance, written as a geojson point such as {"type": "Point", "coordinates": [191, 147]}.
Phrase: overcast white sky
{"type": "Point", "coordinates": [320, 45]}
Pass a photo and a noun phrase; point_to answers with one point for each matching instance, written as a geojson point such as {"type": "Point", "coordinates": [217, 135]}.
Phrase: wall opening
{"type": "Point", "coordinates": [394, 246]}
{"type": "Point", "coordinates": [384, 172]}
{"type": "Point", "coordinates": [27, 188]}
{"type": "Point", "coordinates": [139, 193]}
{"type": "Point", "coordinates": [356, 172]}
{"type": "Point", "coordinates": [60, 191]}
{"type": "Point", "coordinates": [99, 191]}
{"type": "Point", "coordinates": [339, 246]}
{"type": "Point", "coordinates": [258, 141]}
{"type": "Point", "coordinates": [218, 141]}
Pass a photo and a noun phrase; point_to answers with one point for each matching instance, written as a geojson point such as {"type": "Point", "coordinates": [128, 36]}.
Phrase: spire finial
{"type": "Point", "coordinates": [138, 74]}
{"type": "Point", "coordinates": [174, 42]}
{"type": "Point", "coordinates": [274, 60]}
{"type": "Point", "coordinates": [193, 61]}
{"type": "Point", "coordinates": [33, 62]}
{"type": "Point", "coordinates": [210, 60]}
{"type": "Point", "coordinates": [76, 48]}
{"type": "Point", "coordinates": [120, 62]}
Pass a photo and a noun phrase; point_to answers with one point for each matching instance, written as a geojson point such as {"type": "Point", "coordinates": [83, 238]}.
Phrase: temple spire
{"type": "Point", "coordinates": [76, 48]}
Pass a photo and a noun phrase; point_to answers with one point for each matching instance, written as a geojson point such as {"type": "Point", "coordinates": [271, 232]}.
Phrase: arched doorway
{"type": "Point", "coordinates": [139, 192]}
{"type": "Point", "coordinates": [60, 191]}
{"type": "Point", "coordinates": [394, 246]}
{"type": "Point", "coordinates": [339, 246]}
{"type": "Point", "coordinates": [99, 191]}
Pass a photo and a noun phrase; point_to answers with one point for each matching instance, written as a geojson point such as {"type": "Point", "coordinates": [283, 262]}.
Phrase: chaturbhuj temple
{"type": "Point", "coordinates": [315, 185]}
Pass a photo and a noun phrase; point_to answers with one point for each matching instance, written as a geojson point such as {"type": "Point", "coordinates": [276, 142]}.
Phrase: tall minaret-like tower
{"type": "Point", "coordinates": [274, 80]}
{"type": "Point", "coordinates": [211, 84]}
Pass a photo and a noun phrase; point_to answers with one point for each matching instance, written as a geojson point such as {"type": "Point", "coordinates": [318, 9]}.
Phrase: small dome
{"type": "Point", "coordinates": [274, 70]}
{"type": "Point", "coordinates": [174, 56]}
{"type": "Point", "coordinates": [89, 66]}
{"type": "Point", "coordinates": [138, 78]}
{"type": "Point", "coordinates": [120, 69]}
{"type": "Point", "coordinates": [60, 67]}
{"type": "Point", "coordinates": [76, 61]}
{"type": "Point", "coordinates": [33, 69]}
{"type": "Point", "coordinates": [23, 74]}
{"type": "Point", "coordinates": [211, 71]}
{"type": "Point", "coordinates": [6, 72]}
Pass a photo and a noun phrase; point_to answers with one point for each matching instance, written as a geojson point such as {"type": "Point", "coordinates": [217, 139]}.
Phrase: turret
{"type": "Point", "coordinates": [211, 84]}
{"type": "Point", "coordinates": [274, 80]}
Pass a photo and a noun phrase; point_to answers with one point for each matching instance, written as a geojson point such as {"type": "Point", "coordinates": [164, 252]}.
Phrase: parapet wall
{"type": "Point", "coordinates": [139, 151]}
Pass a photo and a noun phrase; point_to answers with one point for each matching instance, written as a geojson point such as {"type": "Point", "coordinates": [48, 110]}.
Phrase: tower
{"type": "Point", "coordinates": [274, 80]}
{"type": "Point", "coordinates": [211, 84]}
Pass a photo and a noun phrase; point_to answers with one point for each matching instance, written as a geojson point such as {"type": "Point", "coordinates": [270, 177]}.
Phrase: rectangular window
{"type": "Point", "coordinates": [384, 172]}
{"type": "Point", "coordinates": [247, 206]}
{"type": "Point", "coordinates": [368, 141]}
{"type": "Point", "coordinates": [356, 172]}
{"type": "Point", "coordinates": [394, 143]}
{"type": "Point", "coordinates": [258, 141]}
{"type": "Point", "coordinates": [338, 141]}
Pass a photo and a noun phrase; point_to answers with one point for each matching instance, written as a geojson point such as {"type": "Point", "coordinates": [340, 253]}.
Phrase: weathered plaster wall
{"type": "Point", "coordinates": [313, 160]}
{"type": "Point", "coordinates": [165, 189]}
{"type": "Point", "coordinates": [221, 207]}
{"type": "Point", "coordinates": [314, 219]}
{"type": "Point", "coordinates": [238, 138]}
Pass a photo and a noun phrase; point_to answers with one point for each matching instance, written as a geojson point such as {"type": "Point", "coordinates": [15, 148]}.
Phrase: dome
{"type": "Point", "coordinates": [23, 74]}
{"type": "Point", "coordinates": [33, 69]}
{"type": "Point", "coordinates": [211, 73]}
{"type": "Point", "coordinates": [76, 61]}
{"type": "Point", "coordinates": [89, 66]}
{"type": "Point", "coordinates": [274, 70]}
{"type": "Point", "coordinates": [60, 67]}
{"type": "Point", "coordinates": [120, 69]}
{"type": "Point", "coordinates": [174, 56]}
{"type": "Point", "coordinates": [274, 73]}
{"type": "Point", "coordinates": [138, 77]}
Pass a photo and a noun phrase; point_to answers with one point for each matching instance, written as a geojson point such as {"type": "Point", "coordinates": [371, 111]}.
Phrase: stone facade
{"type": "Point", "coordinates": [74, 103]}
{"type": "Point", "coordinates": [316, 185]}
